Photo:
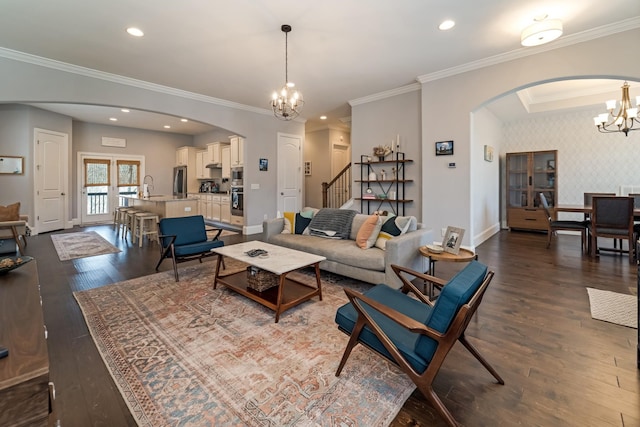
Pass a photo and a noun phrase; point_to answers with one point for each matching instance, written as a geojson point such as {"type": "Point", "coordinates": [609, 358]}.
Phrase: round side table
{"type": "Point", "coordinates": [463, 255]}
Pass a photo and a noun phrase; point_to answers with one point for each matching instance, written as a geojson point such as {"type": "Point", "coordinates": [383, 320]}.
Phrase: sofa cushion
{"type": "Point", "coordinates": [393, 226]}
{"type": "Point", "coordinates": [342, 251]}
{"type": "Point", "coordinates": [368, 232]}
{"type": "Point", "coordinates": [10, 212]}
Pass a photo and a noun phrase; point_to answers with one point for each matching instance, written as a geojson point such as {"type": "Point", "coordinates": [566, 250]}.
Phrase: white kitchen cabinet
{"type": "Point", "coordinates": [215, 207]}
{"type": "Point", "coordinates": [214, 150]}
{"type": "Point", "coordinates": [225, 209]}
{"type": "Point", "coordinates": [237, 151]}
{"type": "Point", "coordinates": [237, 220]}
{"type": "Point", "coordinates": [202, 171]}
{"type": "Point", "coordinates": [204, 206]}
{"type": "Point", "coordinates": [226, 162]}
{"type": "Point", "coordinates": [183, 155]}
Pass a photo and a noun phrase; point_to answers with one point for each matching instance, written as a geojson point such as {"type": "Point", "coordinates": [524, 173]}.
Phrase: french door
{"type": "Point", "coordinates": [103, 179]}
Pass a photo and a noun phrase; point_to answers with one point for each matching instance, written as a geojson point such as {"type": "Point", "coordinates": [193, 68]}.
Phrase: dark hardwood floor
{"type": "Point", "coordinates": [561, 368]}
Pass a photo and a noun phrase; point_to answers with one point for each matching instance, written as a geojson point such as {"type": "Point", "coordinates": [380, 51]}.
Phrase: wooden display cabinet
{"type": "Point", "coordinates": [527, 175]}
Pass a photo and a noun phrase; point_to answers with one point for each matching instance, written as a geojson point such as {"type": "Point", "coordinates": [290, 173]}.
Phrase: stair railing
{"type": "Point", "coordinates": [338, 191]}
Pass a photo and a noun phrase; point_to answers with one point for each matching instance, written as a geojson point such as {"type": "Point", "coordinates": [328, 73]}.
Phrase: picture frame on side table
{"type": "Point", "coordinates": [444, 148]}
{"type": "Point", "coordinates": [452, 240]}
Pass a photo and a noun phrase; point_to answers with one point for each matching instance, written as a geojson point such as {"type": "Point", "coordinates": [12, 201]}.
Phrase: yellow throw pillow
{"type": "Point", "coordinates": [297, 222]}
{"type": "Point", "coordinates": [368, 232]}
{"type": "Point", "coordinates": [10, 213]}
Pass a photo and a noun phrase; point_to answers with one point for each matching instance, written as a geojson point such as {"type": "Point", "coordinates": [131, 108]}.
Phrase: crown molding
{"type": "Point", "coordinates": [386, 94]}
{"type": "Point", "coordinates": [592, 34]}
{"type": "Point", "coordinates": [127, 81]}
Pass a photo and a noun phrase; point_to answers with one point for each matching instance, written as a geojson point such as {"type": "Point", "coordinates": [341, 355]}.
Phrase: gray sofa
{"type": "Point", "coordinates": [346, 258]}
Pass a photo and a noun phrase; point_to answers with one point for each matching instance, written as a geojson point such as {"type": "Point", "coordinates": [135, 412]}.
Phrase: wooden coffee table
{"type": "Point", "coordinates": [280, 261]}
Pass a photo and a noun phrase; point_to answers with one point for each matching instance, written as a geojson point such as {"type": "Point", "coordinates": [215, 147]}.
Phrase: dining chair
{"type": "Point", "coordinates": [566, 225]}
{"type": "Point", "coordinates": [588, 199]}
{"type": "Point", "coordinates": [636, 218]}
{"type": "Point", "coordinates": [612, 217]}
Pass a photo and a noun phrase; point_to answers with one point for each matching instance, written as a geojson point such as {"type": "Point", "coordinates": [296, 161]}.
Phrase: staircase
{"type": "Point", "coordinates": [337, 192]}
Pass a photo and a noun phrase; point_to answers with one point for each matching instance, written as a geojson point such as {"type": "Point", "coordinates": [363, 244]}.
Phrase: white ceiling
{"type": "Point", "coordinates": [338, 50]}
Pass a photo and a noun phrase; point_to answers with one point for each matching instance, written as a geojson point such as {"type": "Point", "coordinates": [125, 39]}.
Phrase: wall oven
{"type": "Point", "coordinates": [237, 176]}
{"type": "Point", "coordinates": [237, 201]}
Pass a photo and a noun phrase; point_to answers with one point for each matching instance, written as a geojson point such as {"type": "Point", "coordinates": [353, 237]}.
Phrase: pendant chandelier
{"type": "Point", "coordinates": [624, 119]}
{"type": "Point", "coordinates": [288, 101]}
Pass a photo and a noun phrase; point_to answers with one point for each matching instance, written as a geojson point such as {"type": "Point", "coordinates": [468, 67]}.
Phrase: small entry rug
{"type": "Point", "coordinates": [186, 354]}
{"type": "Point", "coordinates": [613, 307]}
{"type": "Point", "coordinates": [81, 245]}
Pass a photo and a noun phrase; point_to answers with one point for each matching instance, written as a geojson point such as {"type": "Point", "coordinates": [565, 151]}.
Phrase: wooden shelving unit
{"type": "Point", "coordinates": [387, 192]}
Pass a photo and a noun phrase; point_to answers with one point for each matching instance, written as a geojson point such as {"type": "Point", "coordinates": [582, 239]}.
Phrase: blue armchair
{"type": "Point", "coordinates": [185, 239]}
{"type": "Point", "coordinates": [416, 333]}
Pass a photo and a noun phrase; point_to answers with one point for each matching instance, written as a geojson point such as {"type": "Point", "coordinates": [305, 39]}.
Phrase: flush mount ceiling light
{"type": "Point", "coordinates": [540, 32]}
{"type": "Point", "coordinates": [446, 25]}
{"type": "Point", "coordinates": [136, 32]}
{"type": "Point", "coordinates": [624, 119]}
{"type": "Point", "coordinates": [288, 101]}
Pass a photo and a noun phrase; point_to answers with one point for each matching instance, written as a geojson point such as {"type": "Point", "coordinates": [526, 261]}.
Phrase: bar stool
{"type": "Point", "coordinates": [129, 223]}
{"type": "Point", "coordinates": [119, 218]}
{"type": "Point", "coordinates": [146, 224]}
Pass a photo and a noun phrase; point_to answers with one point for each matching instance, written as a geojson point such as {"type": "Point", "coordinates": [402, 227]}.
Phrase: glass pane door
{"type": "Point", "coordinates": [544, 176]}
{"type": "Point", "coordinates": [518, 180]}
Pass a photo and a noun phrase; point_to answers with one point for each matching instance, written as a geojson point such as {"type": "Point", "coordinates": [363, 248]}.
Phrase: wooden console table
{"type": "Point", "coordinates": [25, 398]}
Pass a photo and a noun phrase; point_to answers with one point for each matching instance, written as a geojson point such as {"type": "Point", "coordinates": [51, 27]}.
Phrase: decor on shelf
{"type": "Point", "coordinates": [287, 103]}
{"type": "Point", "coordinates": [542, 31]}
{"type": "Point", "coordinates": [452, 240]}
{"type": "Point", "coordinates": [381, 151]}
{"type": "Point", "coordinates": [444, 148]}
{"type": "Point", "coordinates": [624, 119]}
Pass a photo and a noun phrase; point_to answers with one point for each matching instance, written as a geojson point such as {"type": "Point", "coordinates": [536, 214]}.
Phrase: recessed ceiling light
{"type": "Point", "coordinates": [167, 127]}
{"type": "Point", "coordinates": [184, 120]}
{"type": "Point", "coordinates": [124, 110]}
{"type": "Point", "coordinates": [323, 117]}
{"type": "Point", "coordinates": [113, 119]}
{"type": "Point", "coordinates": [446, 25]}
{"type": "Point", "coordinates": [136, 32]}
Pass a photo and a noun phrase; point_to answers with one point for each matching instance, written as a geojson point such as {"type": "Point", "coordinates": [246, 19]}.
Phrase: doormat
{"type": "Point", "coordinates": [613, 307]}
{"type": "Point", "coordinates": [81, 245]}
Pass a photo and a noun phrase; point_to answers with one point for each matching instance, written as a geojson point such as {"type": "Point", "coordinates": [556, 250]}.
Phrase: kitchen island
{"type": "Point", "coordinates": [165, 206]}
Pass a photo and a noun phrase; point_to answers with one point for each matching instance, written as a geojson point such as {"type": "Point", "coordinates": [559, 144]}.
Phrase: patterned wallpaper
{"type": "Point", "coordinates": [588, 161]}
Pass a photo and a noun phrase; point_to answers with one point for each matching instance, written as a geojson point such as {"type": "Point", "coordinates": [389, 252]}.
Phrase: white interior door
{"type": "Point", "coordinates": [289, 172]}
{"type": "Point", "coordinates": [51, 180]}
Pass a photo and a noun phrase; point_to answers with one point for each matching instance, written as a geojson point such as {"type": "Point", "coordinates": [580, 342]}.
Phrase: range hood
{"type": "Point", "coordinates": [214, 166]}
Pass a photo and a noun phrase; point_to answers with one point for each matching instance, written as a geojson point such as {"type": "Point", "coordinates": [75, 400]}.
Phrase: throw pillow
{"type": "Point", "coordinates": [10, 213]}
{"type": "Point", "coordinates": [296, 222]}
{"type": "Point", "coordinates": [368, 233]}
{"type": "Point", "coordinates": [394, 226]}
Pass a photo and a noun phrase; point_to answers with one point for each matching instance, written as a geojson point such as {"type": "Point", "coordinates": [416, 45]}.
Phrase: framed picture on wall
{"type": "Point", "coordinates": [263, 165]}
{"type": "Point", "coordinates": [444, 148]}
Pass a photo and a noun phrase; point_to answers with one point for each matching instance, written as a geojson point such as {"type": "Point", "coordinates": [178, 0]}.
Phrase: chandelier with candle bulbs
{"type": "Point", "coordinates": [624, 119]}
{"type": "Point", "coordinates": [288, 101]}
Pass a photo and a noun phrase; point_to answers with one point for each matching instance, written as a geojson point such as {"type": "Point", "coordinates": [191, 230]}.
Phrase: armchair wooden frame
{"type": "Point", "coordinates": [16, 230]}
{"type": "Point", "coordinates": [445, 341]}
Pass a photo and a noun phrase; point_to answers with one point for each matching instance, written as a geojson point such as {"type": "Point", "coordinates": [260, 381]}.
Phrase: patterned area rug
{"type": "Point", "coordinates": [81, 245]}
{"type": "Point", "coordinates": [613, 307]}
{"type": "Point", "coordinates": [185, 354]}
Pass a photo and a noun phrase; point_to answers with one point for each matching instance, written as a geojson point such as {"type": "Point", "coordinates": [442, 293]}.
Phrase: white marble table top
{"type": "Point", "coordinates": [280, 260]}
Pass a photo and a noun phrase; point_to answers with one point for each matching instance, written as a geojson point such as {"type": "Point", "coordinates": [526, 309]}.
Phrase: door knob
{"type": "Point", "coordinates": [62, 194]}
